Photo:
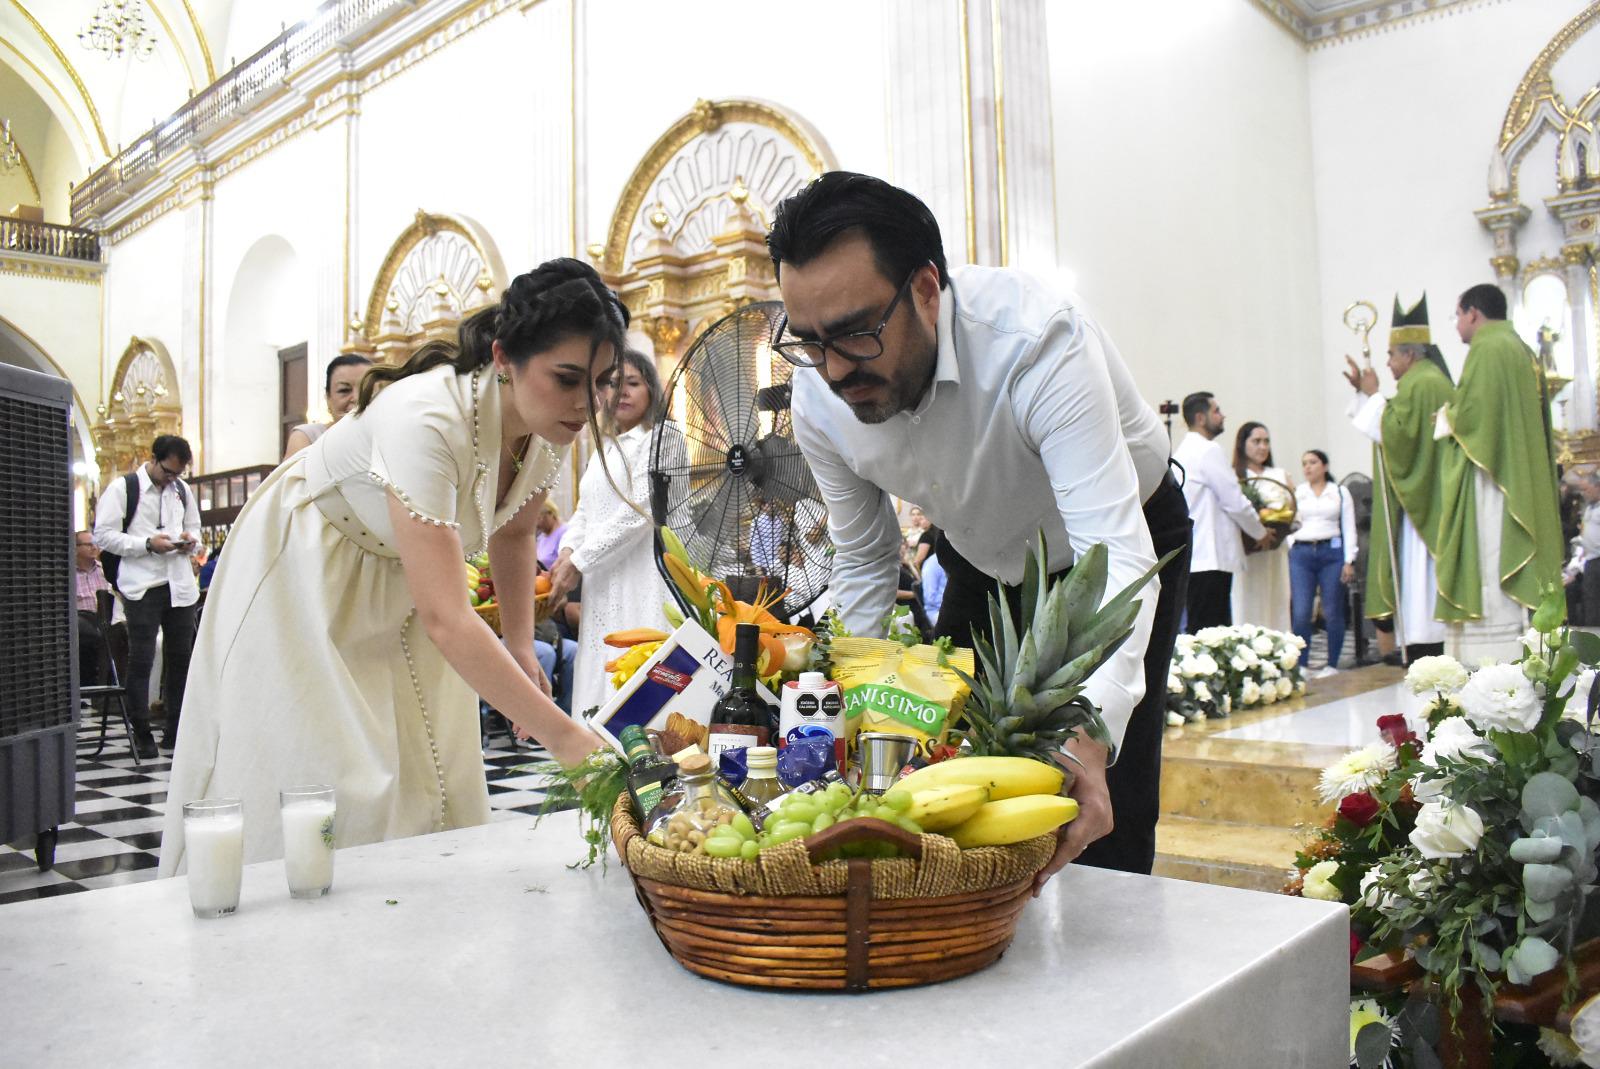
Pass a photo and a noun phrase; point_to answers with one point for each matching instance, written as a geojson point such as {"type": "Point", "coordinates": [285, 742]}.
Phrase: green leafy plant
{"type": "Point", "coordinates": [591, 788]}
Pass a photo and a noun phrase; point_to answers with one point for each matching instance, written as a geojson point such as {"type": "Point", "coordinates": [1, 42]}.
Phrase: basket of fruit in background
{"type": "Point", "coordinates": [1275, 503]}
{"type": "Point", "coordinates": [480, 593]}
{"type": "Point", "coordinates": [884, 876]}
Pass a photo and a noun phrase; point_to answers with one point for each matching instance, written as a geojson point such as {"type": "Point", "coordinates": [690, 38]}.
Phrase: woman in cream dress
{"type": "Point", "coordinates": [338, 645]}
{"type": "Point", "coordinates": [1261, 591]}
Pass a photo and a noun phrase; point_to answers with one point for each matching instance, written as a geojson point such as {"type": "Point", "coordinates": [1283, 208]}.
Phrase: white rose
{"type": "Point", "coordinates": [1212, 636]}
{"type": "Point", "coordinates": [1269, 695]}
{"type": "Point", "coordinates": [1435, 673]}
{"type": "Point", "coordinates": [1202, 693]}
{"type": "Point", "coordinates": [1190, 668]}
{"type": "Point", "coordinates": [1174, 685]}
{"type": "Point", "coordinates": [1240, 664]}
{"type": "Point", "coordinates": [1374, 897]}
{"type": "Point", "coordinates": [1248, 656]}
{"type": "Point", "coordinates": [1285, 688]}
{"type": "Point", "coordinates": [1174, 719]}
{"type": "Point", "coordinates": [1299, 686]}
{"type": "Point", "coordinates": [1262, 644]}
{"type": "Point", "coordinates": [1316, 883]}
{"type": "Point", "coordinates": [1500, 696]}
{"type": "Point", "coordinates": [1422, 883]}
{"type": "Point", "coordinates": [1532, 640]}
{"type": "Point", "coordinates": [1455, 739]}
{"type": "Point", "coordinates": [1445, 831]}
{"type": "Point", "coordinates": [1289, 659]}
{"type": "Point", "coordinates": [1270, 671]}
{"type": "Point", "coordinates": [1207, 663]}
{"type": "Point", "coordinates": [1578, 701]}
{"type": "Point", "coordinates": [1249, 694]}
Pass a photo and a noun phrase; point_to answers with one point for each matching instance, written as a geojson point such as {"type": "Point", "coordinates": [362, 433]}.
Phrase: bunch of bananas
{"type": "Point", "coordinates": [986, 801]}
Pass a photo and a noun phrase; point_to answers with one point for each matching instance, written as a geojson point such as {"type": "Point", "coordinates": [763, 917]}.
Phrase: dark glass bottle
{"type": "Point", "coordinates": [648, 771]}
{"type": "Point", "coordinates": [741, 719]}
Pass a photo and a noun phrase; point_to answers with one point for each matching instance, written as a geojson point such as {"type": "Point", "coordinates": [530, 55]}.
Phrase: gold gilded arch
{"type": "Point", "coordinates": [705, 117]}
{"type": "Point", "coordinates": [143, 404]}
{"type": "Point", "coordinates": [491, 278]}
{"type": "Point", "coordinates": [1536, 102]}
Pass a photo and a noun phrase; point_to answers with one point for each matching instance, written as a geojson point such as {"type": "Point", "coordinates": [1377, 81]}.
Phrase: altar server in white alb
{"type": "Point", "coordinates": [992, 400]}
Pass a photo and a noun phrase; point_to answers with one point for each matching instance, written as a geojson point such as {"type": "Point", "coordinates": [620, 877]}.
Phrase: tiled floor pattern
{"type": "Point", "coordinates": [115, 835]}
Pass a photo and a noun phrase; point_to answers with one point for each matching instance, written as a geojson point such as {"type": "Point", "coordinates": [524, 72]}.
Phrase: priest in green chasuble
{"type": "Point", "coordinates": [1502, 515]}
{"type": "Point", "coordinates": [1402, 578]}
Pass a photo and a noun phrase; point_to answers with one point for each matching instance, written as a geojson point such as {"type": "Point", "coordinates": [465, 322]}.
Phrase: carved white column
{"type": "Point", "coordinates": [547, 120]}
{"type": "Point", "coordinates": [195, 348]}
{"type": "Point", "coordinates": [926, 146]}
{"type": "Point", "coordinates": [338, 288]}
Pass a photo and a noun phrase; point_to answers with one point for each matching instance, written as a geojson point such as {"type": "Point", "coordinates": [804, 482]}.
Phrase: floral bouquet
{"type": "Point", "coordinates": [1471, 847]}
{"type": "Point", "coordinates": [1221, 669]}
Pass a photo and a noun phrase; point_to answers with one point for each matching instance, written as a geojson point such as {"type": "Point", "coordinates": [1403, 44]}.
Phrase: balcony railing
{"type": "Point", "coordinates": [231, 95]}
{"type": "Point", "coordinates": [48, 239]}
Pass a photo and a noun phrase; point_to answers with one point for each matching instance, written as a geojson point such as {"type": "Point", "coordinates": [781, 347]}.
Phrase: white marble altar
{"type": "Point", "coordinates": [492, 950]}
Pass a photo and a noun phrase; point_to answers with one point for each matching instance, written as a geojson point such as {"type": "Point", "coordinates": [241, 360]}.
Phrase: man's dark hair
{"type": "Point", "coordinates": [1195, 406]}
{"type": "Point", "coordinates": [1487, 298]}
{"type": "Point", "coordinates": [170, 445]}
{"type": "Point", "coordinates": [903, 232]}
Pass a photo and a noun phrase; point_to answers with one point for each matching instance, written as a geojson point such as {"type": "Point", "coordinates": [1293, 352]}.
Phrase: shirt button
{"type": "Point", "coordinates": [916, 419]}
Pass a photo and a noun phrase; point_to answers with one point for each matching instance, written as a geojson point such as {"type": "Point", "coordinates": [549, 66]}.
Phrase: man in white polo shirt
{"type": "Point", "coordinates": [988, 397]}
{"type": "Point", "coordinates": [153, 543]}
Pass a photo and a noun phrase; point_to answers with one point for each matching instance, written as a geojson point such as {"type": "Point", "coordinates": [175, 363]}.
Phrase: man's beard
{"type": "Point", "coordinates": [902, 391]}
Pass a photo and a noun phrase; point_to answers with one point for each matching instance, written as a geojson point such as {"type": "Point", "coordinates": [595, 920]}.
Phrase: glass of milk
{"type": "Point", "coordinates": [308, 821]}
{"type": "Point", "coordinates": [213, 832]}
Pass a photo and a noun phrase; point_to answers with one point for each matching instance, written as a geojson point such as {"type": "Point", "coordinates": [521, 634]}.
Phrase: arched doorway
{"type": "Point", "coordinates": [19, 350]}
{"type": "Point", "coordinates": [270, 308]}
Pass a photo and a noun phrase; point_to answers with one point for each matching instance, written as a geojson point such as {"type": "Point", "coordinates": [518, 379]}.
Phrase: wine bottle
{"type": "Point", "coordinates": [741, 719]}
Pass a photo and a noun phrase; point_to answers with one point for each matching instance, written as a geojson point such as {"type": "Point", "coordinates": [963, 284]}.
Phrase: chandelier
{"type": "Point", "coordinates": [118, 28]}
{"type": "Point", "coordinates": [10, 154]}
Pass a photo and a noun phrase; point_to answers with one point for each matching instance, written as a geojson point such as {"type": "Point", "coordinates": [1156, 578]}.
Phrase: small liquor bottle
{"type": "Point", "coordinates": [648, 771]}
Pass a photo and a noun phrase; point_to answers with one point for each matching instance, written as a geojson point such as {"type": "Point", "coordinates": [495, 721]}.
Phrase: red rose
{"type": "Point", "coordinates": [1359, 809]}
{"type": "Point", "coordinates": [1395, 731]}
{"type": "Point", "coordinates": [1355, 947]}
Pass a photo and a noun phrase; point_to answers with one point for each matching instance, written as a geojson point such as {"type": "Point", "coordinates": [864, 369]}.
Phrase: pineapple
{"type": "Point", "coordinates": [1027, 699]}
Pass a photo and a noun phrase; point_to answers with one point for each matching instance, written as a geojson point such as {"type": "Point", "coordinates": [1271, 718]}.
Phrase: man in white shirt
{"type": "Point", "coordinates": [155, 577]}
{"type": "Point", "coordinates": [1220, 512]}
{"type": "Point", "coordinates": [992, 400]}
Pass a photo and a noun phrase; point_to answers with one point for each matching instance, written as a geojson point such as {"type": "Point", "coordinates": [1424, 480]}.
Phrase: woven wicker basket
{"type": "Point", "coordinates": [786, 921]}
{"type": "Point", "coordinates": [491, 615]}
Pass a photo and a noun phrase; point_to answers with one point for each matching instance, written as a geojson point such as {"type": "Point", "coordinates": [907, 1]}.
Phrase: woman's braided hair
{"type": "Point", "coordinates": [559, 299]}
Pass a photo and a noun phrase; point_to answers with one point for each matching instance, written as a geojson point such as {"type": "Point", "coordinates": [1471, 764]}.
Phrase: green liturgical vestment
{"type": "Point", "coordinates": [1497, 417]}
{"type": "Point", "coordinates": [1408, 466]}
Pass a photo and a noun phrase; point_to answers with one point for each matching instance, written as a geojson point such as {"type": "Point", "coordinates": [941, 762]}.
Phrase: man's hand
{"type": "Point", "coordinates": [1363, 379]}
{"type": "Point", "coordinates": [1347, 574]}
{"type": "Point", "coordinates": [1094, 807]}
{"type": "Point", "coordinates": [160, 543]}
{"type": "Point", "coordinates": [1268, 540]}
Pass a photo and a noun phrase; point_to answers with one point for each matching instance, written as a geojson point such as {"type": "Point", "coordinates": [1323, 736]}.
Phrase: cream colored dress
{"type": "Point", "coordinates": [1261, 588]}
{"type": "Point", "coordinates": [310, 665]}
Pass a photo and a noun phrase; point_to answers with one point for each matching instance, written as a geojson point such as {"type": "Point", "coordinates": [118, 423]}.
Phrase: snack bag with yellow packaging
{"type": "Point", "coordinates": [901, 689]}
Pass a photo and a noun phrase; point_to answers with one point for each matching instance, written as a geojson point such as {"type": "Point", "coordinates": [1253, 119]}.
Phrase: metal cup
{"type": "Point", "coordinates": [880, 755]}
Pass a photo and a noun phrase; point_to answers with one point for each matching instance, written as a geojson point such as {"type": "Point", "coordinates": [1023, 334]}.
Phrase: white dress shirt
{"type": "Point", "coordinates": [160, 511]}
{"type": "Point", "coordinates": [1589, 533]}
{"type": "Point", "coordinates": [1330, 514]}
{"type": "Point", "coordinates": [1217, 506]}
{"type": "Point", "coordinates": [1031, 422]}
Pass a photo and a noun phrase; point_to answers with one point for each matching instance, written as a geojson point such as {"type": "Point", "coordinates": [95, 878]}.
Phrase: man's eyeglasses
{"type": "Point", "coordinates": [170, 473]}
{"type": "Point", "coordinates": [859, 345]}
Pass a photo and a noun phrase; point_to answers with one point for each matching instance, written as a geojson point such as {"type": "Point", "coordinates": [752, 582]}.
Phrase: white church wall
{"type": "Point", "coordinates": [146, 298]}
{"type": "Point", "coordinates": [829, 68]}
{"type": "Point", "coordinates": [1402, 127]}
{"type": "Point", "coordinates": [62, 320]}
{"type": "Point", "coordinates": [1185, 213]}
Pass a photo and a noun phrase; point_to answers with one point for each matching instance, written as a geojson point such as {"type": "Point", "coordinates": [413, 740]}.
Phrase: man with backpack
{"type": "Point", "coordinates": [147, 526]}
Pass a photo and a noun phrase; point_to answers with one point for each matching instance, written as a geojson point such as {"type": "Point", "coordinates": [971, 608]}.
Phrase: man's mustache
{"type": "Point", "coordinates": [857, 378]}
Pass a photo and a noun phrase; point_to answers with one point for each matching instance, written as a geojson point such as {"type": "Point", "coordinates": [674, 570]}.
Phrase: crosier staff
{"type": "Point", "coordinates": [1360, 317]}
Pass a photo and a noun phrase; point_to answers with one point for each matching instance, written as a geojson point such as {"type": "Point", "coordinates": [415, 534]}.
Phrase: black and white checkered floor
{"type": "Point", "coordinates": [115, 836]}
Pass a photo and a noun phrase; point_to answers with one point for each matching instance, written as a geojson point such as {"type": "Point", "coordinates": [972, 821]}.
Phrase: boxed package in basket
{"type": "Point", "coordinates": [686, 677]}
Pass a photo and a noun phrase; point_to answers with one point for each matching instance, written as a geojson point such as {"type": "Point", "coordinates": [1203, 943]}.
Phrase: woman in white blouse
{"type": "Point", "coordinates": [609, 541]}
{"type": "Point", "coordinates": [1322, 555]}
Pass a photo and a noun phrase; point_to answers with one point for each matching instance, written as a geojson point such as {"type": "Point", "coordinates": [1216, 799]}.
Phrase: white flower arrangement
{"type": "Point", "coordinates": [1220, 669]}
{"type": "Point", "coordinates": [1501, 697]}
{"type": "Point", "coordinates": [1440, 675]}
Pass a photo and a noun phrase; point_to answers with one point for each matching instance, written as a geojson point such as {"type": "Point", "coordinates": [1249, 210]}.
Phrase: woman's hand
{"type": "Point", "coordinates": [1347, 574]}
{"type": "Point", "coordinates": [528, 661]}
{"type": "Point", "coordinates": [564, 575]}
{"type": "Point", "coordinates": [574, 744]}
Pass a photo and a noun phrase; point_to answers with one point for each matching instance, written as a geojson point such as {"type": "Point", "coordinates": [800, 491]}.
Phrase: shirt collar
{"type": "Point", "coordinates": [145, 482]}
{"type": "Point", "coordinates": [946, 367]}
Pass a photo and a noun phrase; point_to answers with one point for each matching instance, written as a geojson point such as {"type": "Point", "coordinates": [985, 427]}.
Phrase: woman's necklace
{"type": "Point", "coordinates": [521, 455]}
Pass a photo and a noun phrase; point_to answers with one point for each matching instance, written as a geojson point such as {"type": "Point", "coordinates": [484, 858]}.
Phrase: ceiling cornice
{"type": "Point", "coordinates": [1321, 23]}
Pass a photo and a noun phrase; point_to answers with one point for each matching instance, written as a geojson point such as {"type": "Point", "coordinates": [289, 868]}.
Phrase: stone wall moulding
{"type": "Point", "coordinates": [438, 268]}
{"type": "Point", "coordinates": [143, 404]}
{"type": "Point", "coordinates": [679, 190]}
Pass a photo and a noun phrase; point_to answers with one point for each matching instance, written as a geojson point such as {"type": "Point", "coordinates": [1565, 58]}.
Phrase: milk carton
{"type": "Point", "coordinates": [812, 705]}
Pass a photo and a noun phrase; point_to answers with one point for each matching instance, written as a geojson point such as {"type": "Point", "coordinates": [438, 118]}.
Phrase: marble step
{"type": "Point", "coordinates": [1250, 856]}
{"type": "Point", "coordinates": [1261, 783]}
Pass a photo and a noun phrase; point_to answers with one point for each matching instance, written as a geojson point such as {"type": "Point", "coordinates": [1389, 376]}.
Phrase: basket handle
{"type": "Point", "coordinates": [860, 829]}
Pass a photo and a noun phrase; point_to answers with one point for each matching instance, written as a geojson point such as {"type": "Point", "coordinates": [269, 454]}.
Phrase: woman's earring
{"type": "Point", "coordinates": [502, 378]}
